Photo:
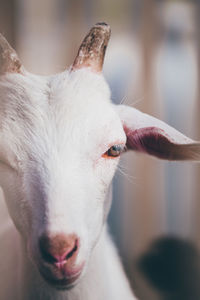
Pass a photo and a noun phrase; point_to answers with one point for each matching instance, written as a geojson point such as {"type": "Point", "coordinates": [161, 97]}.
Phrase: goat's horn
{"type": "Point", "coordinates": [9, 61]}
{"type": "Point", "coordinates": [92, 50]}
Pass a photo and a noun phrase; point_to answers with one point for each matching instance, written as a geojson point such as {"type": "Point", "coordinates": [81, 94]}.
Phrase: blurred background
{"type": "Point", "coordinates": [153, 64]}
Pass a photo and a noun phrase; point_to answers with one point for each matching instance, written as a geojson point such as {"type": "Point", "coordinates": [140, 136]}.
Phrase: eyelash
{"type": "Point", "coordinates": [114, 151]}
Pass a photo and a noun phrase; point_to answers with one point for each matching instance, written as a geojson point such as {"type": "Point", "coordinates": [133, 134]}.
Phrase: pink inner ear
{"type": "Point", "coordinates": [151, 140]}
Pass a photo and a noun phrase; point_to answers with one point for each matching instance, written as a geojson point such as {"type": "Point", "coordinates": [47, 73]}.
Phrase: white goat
{"type": "Point", "coordinates": [60, 142]}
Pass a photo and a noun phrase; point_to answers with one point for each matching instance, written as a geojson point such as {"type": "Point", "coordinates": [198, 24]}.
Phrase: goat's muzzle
{"type": "Point", "coordinates": [58, 259]}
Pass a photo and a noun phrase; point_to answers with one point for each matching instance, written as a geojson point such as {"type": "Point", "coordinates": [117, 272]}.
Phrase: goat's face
{"type": "Point", "coordinates": [60, 140]}
{"type": "Point", "coordinates": [55, 168]}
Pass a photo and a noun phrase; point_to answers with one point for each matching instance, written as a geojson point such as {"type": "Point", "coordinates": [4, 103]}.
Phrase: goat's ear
{"type": "Point", "coordinates": [150, 135]}
{"type": "Point", "coordinates": [9, 61]}
{"type": "Point", "coordinates": [92, 50]}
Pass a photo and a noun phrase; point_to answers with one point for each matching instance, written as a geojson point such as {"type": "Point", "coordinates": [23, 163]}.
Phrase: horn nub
{"type": "Point", "coordinates": [9, 61]}
{"type": "Point", "coordinates": [92, 50]}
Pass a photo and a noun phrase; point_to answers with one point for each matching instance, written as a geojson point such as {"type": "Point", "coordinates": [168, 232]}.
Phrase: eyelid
{"type": "Point", "coordinates": [109, 157]}
{"type": "Point", "coordinates": [116, 143]}
{"type": "Point", "coordinates": [106, 155]}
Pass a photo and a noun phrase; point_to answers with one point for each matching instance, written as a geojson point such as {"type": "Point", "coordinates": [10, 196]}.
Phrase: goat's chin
{"type": "Point", "coordinates": [61, 284]}
{"type": "Point", "coordinates": [64, 280]}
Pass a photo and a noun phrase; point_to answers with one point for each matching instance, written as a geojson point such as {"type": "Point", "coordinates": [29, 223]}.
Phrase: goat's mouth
{"type": "Point", "coordinates": [61, 283]}
{"type": "Point", "coordinates": [61, 278]}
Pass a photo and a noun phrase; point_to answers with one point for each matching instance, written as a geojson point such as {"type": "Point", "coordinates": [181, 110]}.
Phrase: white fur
{"type": "Point", "coordinates": [53, 132]}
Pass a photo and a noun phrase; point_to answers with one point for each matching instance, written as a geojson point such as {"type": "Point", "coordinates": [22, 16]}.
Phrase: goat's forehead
{"type": "Point", "coordinates": [69, 92]}
{"type": "Point", "coordinates": [81, 85]}
{"type": "Point", "coordinates": [80, 103]}
{"type": "Point", "coordinates": [67, 88]}
{"type": "Point", "coordinates": [59, 107]}
{"type": "Point", "coordinates": [80, 95]}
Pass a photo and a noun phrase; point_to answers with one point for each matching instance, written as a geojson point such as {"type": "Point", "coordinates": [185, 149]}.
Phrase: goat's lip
{"type": "Point", "coordinates": [64, 283]}
{"type": "Point", "coordinates": [61, 280]}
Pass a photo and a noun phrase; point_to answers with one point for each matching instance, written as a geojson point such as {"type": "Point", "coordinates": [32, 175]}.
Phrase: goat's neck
{"type": "Point", "coordinates": [104, 278]}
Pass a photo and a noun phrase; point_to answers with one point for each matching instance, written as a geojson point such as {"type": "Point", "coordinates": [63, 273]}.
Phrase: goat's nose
{"type": "Point", "coordinates": [58, 248]}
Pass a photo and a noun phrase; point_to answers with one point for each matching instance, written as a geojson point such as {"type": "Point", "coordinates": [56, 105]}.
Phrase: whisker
{"type": "Point", "coordinates": [135, 102]}
{"type": "Point", "coordinates": [123, 100]}
{"type": "Point", "coordinates": [127, 100]}
{"type": "Point", "coordinates": [123, 172]}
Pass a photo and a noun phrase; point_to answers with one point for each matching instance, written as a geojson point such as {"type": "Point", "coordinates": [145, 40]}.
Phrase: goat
{"type": "Point", "coordinates": [60, 143]}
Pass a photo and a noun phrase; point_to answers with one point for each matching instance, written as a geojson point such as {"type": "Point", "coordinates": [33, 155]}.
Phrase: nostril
{"type": "Point", "coordinates": [46, 255]}
{"type": "Point", "coordinates": [71, 253]}
{"type": "Point", "coordinates": [68, 253]}
{"type": "Point", "coordinates": [59, 248]}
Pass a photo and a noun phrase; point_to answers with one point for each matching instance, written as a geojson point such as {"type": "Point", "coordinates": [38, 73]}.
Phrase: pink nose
{"type": "Point", "coordinates": [59, 248]}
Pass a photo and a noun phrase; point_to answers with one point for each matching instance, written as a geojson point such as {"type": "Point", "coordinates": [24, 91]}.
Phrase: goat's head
{"type": "Point", "coordinates": [60, 142]}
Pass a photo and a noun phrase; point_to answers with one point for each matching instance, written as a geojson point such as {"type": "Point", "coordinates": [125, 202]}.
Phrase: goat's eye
{"type": "Point", "coordinates": [114, 151]}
